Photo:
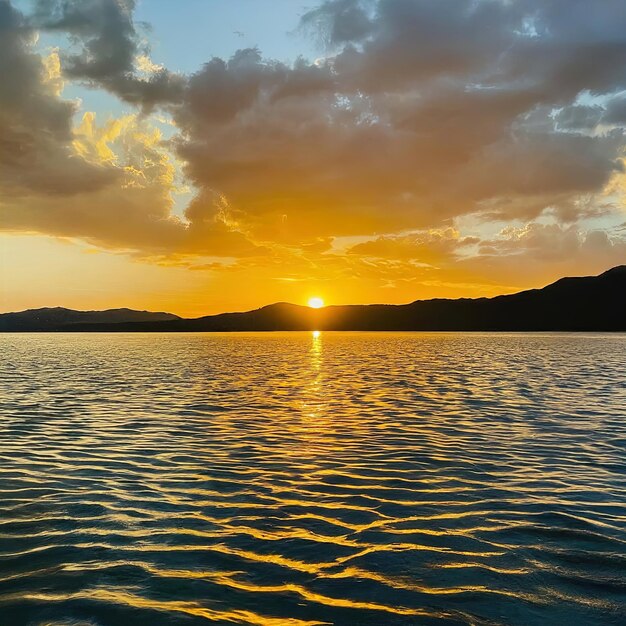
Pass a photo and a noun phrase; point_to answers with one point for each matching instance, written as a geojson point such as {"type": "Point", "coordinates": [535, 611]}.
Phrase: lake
{"type": "Point", "coordinates": [312, 478]}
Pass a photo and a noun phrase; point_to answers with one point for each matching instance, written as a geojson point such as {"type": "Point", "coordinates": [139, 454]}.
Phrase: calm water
{"type": "Point", "coordinates": [287, 479]}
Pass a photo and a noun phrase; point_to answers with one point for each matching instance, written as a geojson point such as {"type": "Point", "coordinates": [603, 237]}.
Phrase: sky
{"type": "Point", "coordinates": [218, 155]}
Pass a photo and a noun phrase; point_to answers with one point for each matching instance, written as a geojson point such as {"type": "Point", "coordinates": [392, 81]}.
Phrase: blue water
{"type": "Point", "coordinates": [298, 478]}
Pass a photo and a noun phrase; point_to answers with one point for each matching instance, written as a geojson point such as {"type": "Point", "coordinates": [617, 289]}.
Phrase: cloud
{"type": "Point", "coordinates": [419, 114]}
{"type": "Point", "coordinates": [528, 255]}
{"type": "Point", "coordinates": [35, 124]}
{"type": "Point", "coordinates": [615, 110]}
{"type": "Point", "coordinates": [338, 22]}
{"type": "Point", "coordinates": [429, 247]}
{"type": "Point", "coordinates": [112, 53]}
{"type": "Point", "coordinates": [110, 184]}
{"type": "Point", "coordinates": [554, 242]}
{"type": "Point", "coordinates": [537, 253]}
{"type": "Point", "coordinates": [134, 211]}
{"type": "Point", "coordinates": [426, 111]}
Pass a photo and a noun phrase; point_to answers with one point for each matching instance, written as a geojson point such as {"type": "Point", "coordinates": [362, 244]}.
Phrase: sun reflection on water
{"type": "Point", "coordinates": [313, 396]}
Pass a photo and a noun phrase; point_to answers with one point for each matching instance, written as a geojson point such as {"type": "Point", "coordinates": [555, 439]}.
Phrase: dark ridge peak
{"type": "Point", "coordinates": [46, 308]}
{"type": "Point", "coordinates": [283, 305]}
{"type": "Point", "coordinates": [267, 308]}
{"type": "Point", "coordinates": [439, 300]}
{"type": "Point", "coordinates": [618, 270]}
{"type": "Point", "coordinates": [133, 311]}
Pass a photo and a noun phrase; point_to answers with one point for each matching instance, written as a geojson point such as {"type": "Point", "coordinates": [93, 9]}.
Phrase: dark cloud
{"type": "Point", "coordinates": [413, 41]}
{"type": "Point", "coordinates": [35, 124]}
{"type": "Point", "coordinates": [223, 89]}
{"type": "Point", "coordinates": [616, 111]}
{"type": "Point", "coordinates": [109, 47]}
{"type": "Point", "coordinates": [104, 27]}
{"type": "Point", "coordinates": [579, 117]}
{"type": "Point", "coordinates": [339, 22]}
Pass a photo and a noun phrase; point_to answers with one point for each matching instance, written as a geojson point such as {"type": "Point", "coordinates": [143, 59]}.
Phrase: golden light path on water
{"type": "Point", "coordinates": [312, 478]}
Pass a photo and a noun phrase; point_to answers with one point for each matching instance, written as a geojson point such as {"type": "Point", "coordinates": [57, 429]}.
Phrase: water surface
{"type": "Point", "coordinates": [298, 478]}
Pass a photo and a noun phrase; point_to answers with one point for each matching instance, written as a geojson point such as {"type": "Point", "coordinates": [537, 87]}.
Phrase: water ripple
{"type": "Point", "coordinates": [295, 479]}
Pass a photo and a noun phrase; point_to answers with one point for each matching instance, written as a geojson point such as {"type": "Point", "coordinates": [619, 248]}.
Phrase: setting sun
{"type": "Point", "coordinates": [316, 303]}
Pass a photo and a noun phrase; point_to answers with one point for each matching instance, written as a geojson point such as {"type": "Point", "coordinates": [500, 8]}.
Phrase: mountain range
{"type": "Point", "coordinates": [54, 318]}
{"type": "Point", "coordinates": [591, 303]}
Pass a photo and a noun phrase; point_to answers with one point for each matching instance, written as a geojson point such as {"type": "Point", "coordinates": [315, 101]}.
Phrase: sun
{"type": "Point", "coordinates": [316, 303]}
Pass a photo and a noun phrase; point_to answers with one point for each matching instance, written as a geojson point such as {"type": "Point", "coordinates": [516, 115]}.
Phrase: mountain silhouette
{"type": "Point", "coordinates": [592, 303]}
{"type": "Point", "coordinates": [56, 317]}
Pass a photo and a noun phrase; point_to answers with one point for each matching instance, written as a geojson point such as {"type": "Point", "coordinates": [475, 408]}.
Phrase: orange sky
{"type": "Point", "coordinates": [395, 151]}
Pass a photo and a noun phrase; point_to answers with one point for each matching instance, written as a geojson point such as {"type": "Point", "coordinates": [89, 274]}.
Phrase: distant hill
{"type": "Point", "coordinates": [53, 318]}
{"type": "Point", "coordinates": [592, 303]}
